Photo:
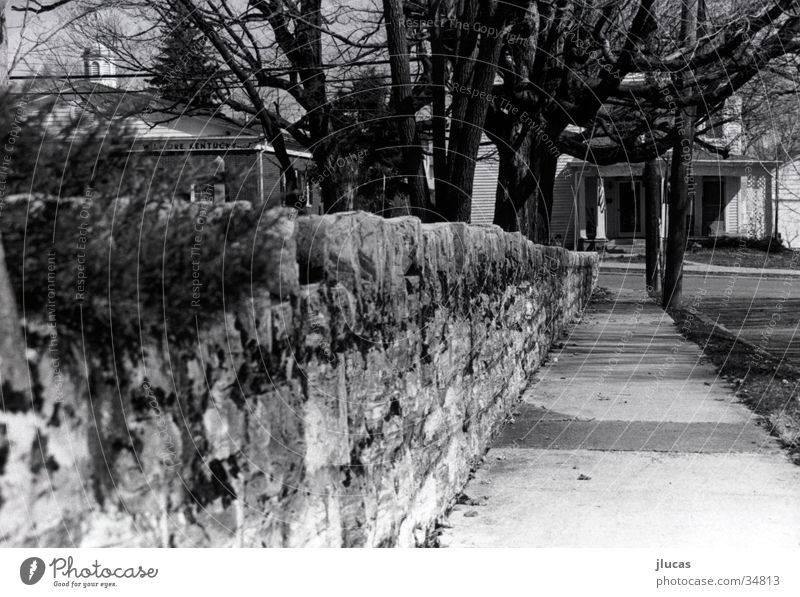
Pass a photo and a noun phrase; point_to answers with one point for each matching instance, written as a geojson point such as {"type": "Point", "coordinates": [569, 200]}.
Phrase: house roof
{"type": "Point", "coordinates": [155, 123]}
{"type": "Point", "coordinates": [704, 163]}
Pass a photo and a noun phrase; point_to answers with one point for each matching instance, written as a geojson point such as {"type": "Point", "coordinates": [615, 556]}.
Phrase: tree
{"type": "Point", "coordinates": [413, 167]}
{"type": "Point", "coordinates": [690, 80]}
{"type": "Point", "coordinates": [593, 81]}
{"type": "Point", "coordinates": [14, 378]}
{"type": "Point", "coordinates": [271, 55]}
{"type": "Point", "coordinates": [769, 114]}
{"type": "Point", "coordinates": [185, 68]}
{"type": "Point", "coordinates": [556, 75]}
{"type": "Point", "coordinates": [681, 183]}
{"type": "Point", "coordinates": [597, 84]}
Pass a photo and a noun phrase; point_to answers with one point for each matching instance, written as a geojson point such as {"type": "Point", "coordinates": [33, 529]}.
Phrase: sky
{"type": "Point", "coordinates": [36, 26]}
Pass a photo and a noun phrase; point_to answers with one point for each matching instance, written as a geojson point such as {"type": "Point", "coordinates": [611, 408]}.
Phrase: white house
{"type": "Point", "coordinates": [787, 189]}
{"type": "Point", "coordinates": [596, 206]}
{"type": "Point", "coordinates": [604, 205]}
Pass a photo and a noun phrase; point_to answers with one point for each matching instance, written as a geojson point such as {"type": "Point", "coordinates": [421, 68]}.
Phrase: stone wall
{"type": "Point", "coordinates": [342, 402]}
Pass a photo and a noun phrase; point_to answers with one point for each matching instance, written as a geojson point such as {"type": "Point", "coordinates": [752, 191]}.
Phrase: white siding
{"type": "Point", "coordinates": [789, 208]}
{"type": "Point", "coordinates": [753, 197]}
{"type": "Point", "coordinates": [484, 191]}
{"type": "Point", "coordinates": [562, 222]}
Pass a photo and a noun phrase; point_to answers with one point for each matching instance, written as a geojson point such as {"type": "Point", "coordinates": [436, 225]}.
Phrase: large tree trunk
{"type": "Point", "coordinates": [681, 178]}
{"type": "Point", "coordinates": [473, 83]}
{"type": "Point", "coordinates": [516, 182]}
{"type": "Point", "coordinates": [651, 181]}
{"type": "Point", "coordinates": [413, 167]}
{"type": "Point", "coordinates": [540, 211]}
{"type": "Point", "coordinates": [524, 200]}
{"type": "Point", "coordinates": [681, 197]}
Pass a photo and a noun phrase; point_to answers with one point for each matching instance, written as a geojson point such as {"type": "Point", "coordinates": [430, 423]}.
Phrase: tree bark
{"type": "Point", "coordinates": [681, 176]}
{"type": "Point", "coordinates": [681, 198]}
{"type": "Point", "coordinates": [413, 167]}
{"type": "Point", "coordinates": [439, 114]}
{"type": "Point", "coordinates": [473, 81]}
{"type": "Point", "coordinates": [14, 375]}
{"type": "Point", "coordinates": [3, 47]}
{"type": "Point", "coordinates": [651, 181]}
{"type": "Point", "coordinates": [516, 181]}
{"type": "Point", "coordinates": [547, 164]}
{"type": "Point", "coordinates": [775, 231]}
{"type": "Point", "coordinates": [526, 177]}
{"type": "Point", "coordinates": [681, 193]}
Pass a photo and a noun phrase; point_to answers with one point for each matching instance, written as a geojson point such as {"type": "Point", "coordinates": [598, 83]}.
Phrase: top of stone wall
{"type": "Point", "coordinates": [273, 249]}
{"type": "Point", "coordinates": [360, 250]}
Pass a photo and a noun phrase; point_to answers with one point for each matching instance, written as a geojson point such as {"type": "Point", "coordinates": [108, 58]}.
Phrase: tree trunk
{"type": "Point", "coordinates": [473, 84]}
{"type": "Point", "coordinates": [331, 194]}
{"type": "Point", "coordinates": [3, 47]}
{"type": "Point", "coordinates": [439, 113]}
{"type": "Point", "coordinates": [524, 200]}
{"type": "Point", "coordinates": [775, 232]}
{"type": "Point", "coordinates": [413, 167]}
{"type": "Point", "coordinates": [516, 181]}
{"type": "Point", "coordinates": [14, 375]}
{"type": "Point", "coordinates": [651, 181]}
{"type": "Point", "coordinates": [681, 199]}
{"type": "Point", "coordinates": [681, 177]}
{"type": "Point", "coordinates": [539, 230]}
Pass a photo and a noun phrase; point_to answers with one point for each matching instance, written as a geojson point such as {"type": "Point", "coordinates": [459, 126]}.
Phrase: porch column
{"type": "Point", "coordinates": [601, 209]}
{"type": "Point", "coordinates": [697, 228]}
{"type": "Point", "coordinates": [580, 205]}
{"type": "Point", "coordinates": [662, 226]}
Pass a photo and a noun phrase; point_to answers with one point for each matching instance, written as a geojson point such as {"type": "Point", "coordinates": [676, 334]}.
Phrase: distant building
{"type": "Point", "coordinates": [604, 205]}
{"type": "Point", "coordinates": [787, 188]}
{"type": "Point", "coordinates": [595, 206]}
{"type": "Point", "coordinates": [210, 157]}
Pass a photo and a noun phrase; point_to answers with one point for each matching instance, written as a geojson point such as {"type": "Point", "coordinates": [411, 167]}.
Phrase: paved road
{"type": "Point", "coordinates": [627, 439]}
{"type": "Point", "coordinates": [765, 311]}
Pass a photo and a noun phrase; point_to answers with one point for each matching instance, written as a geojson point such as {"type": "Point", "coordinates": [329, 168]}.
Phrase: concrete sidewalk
{"type": "Point", "coordinates": [691, 267]}
{"type": "Point", "coordinates": [628, 439]}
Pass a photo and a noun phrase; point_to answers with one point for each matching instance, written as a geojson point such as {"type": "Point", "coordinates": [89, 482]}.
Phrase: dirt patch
{"type": "Point", "coordinates": [602, 295]}
{"type": "Point", "coordinates": [767, 384]}
{"type": "Point", "coordinates": [745, 257]}
{"type": "Point", "coordinates": [623, 257]}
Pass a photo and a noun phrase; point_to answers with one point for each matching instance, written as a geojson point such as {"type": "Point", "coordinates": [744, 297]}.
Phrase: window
{"type": "Point", "coordinates": [219, 192]}
{"type": "Point", "coordinates": [209, 192]}
{"type": "Point", "coordinates": [94, 69]}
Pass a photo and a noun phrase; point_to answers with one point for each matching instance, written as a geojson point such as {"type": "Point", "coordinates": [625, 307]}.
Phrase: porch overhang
{"type": "Point", "coordinates": [738, 166]}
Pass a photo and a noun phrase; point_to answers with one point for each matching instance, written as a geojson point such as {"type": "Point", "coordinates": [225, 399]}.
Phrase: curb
{"type": "Point", "coordinates": [623, 269]}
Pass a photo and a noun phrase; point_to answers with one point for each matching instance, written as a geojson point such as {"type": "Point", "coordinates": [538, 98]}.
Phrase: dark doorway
{"type": "Point", "coordinates": [629, 212]}
{"type": "Point", "coordinates": [713, 206]}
